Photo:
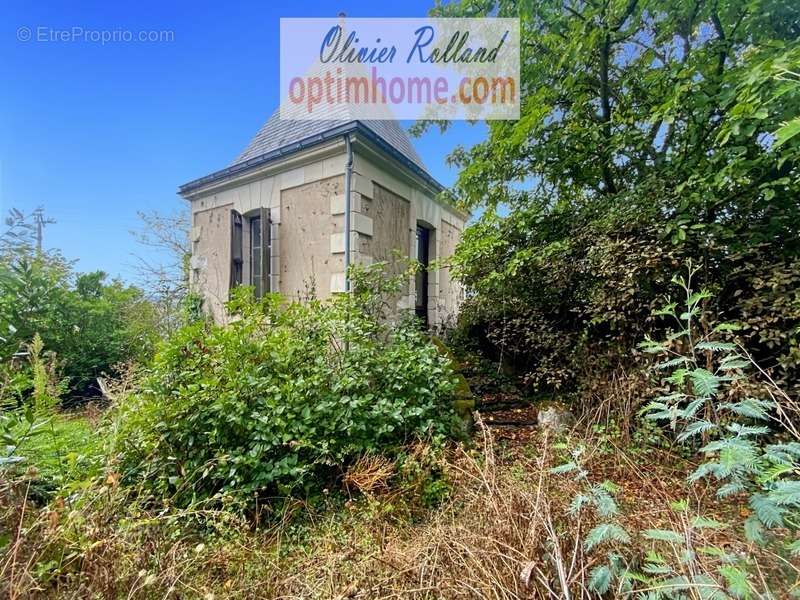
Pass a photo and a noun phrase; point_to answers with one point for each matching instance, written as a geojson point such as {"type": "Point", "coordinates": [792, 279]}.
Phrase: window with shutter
{"type": "Point", "coordinates": [423, 256]}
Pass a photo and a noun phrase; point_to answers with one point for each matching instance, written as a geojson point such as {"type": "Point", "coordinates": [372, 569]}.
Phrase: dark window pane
{"type": "Point", "coordinates": [237, 237]}
{"type": "Point", "coordinates": [236, 249]}
{"type": "Point", "coordinates": [423, 256]}
{"type": "Point", "coordinates": [255, 232]}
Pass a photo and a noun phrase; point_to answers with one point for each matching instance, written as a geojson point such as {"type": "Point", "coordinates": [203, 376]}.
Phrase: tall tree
{"type": "Point", "coordinates": [651, 131]}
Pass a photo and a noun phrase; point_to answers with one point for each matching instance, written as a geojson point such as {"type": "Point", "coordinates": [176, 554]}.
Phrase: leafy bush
{"type": "Point", "coordinates": [279, 399]}
{"type": "Point", "coordinates": [90, 324]}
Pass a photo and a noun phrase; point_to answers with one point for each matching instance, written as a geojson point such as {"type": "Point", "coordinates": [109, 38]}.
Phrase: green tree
{"type": "Point", "coordinates": [90, 324]}
{"type": "Point", "coordinates": [647, 135]}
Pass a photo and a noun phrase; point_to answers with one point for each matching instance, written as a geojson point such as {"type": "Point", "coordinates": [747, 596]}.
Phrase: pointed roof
{"type": "Point", "coordinates": [279, 137]}
{"type": "Point", "coordinates": [277, 133]}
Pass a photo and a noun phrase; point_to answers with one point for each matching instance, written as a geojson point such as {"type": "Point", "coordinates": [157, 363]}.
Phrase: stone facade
{"type": "Point", "coordinates": [303, 195]}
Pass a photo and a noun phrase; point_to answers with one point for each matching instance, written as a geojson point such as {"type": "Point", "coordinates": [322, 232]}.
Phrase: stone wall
{"type": "Point", "coordinates": [306, 228]}
{"type": "Point", "coordinates": [304, 194]}
{"type": "Point", "coordinates": [451, 293]}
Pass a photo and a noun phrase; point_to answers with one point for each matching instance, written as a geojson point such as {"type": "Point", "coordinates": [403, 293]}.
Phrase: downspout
{"type": "Point", "coordinates": [348, 176]}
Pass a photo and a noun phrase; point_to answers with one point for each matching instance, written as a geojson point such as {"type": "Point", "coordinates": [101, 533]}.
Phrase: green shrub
{"type": "Point", "coordinates": [280, 399]}
{"type": "Point", "coordinates": [91, 324]}
{"type": "Point", "coordinates": [563, 303]}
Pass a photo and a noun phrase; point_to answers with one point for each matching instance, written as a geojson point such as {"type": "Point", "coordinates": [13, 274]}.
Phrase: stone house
{"type": "Point", "coordinates": [276, 217]}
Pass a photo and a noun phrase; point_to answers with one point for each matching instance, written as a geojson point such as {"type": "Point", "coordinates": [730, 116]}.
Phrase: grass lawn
{"type": "Point", "coordinates": [66, 450]}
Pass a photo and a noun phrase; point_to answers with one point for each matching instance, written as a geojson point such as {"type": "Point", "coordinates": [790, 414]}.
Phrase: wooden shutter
{"type": "Point", "coordinates": [236, 249]}
{"type": "Point", "coordinates": [266, 250]}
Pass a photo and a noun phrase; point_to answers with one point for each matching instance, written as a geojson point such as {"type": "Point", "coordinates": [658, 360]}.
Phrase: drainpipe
{"type": "Point", "coordinates": [348, 175]}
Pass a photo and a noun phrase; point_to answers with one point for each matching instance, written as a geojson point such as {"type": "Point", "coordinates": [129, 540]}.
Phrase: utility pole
{"type": "Point", "coordinates": [41, 222]}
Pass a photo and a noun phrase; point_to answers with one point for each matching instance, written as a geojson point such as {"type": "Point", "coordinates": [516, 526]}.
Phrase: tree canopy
{"type": "Point", "coordinates": [651, 132]}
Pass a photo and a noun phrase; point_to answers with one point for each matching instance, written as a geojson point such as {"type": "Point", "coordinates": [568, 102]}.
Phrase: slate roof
{"type": "Point", "coordinates": [277, 133]}
{"type": "Point", "coordinates": [278, 138]}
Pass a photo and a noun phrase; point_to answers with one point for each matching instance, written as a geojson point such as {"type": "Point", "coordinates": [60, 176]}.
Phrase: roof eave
{"type": "Point", "coordinates": [354, 126]}
{"type": "Point", "coordinates": [258, 161]}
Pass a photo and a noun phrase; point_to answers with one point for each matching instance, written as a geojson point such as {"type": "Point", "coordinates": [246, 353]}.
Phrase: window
{"type": "Point", "coordinates": [258, 248]}
{"type": "Point", "coordinates": [256, 255]}
{"type": "Point", "coordinates": [259, 251]}
{"type": "Point", "coordinates": [236, 249]}
{"type": "Point", "coordinates": [423, 256]}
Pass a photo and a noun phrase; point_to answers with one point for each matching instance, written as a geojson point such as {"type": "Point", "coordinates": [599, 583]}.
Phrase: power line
{"type": "Point", "coordinates": [41, 222]}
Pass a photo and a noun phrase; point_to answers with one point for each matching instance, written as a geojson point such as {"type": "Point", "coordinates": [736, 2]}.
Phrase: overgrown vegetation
{"type": "Point", "coordinates": [278, 401]}
{"type": "Point", "coordinates": [89, 325]}
{"type": "Point", "coordinates": [707, 404]}
{"type": "Point", "coordinates": [709, 397]}
{"type": "Point", "coordinates": [312, 450]}
{"type": "Point", "coordinates": [651, 133]}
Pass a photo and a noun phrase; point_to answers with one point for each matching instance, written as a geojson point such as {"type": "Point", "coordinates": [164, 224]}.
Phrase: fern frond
{"type": "Point", "coordinates": [767, 511]}
{"type": "Point", "coordinates": [750, 408]}
{"type": "Point", "coordinates": [657, 569]}
{"type": "Point", "coordinates": [651, 346]}
{"type": "Point", "coordinates": [734, 364]}
{"type": "Point", "coordinates": [754, 530]}
{"type": "Point", "coordinates": [696, 428]}
{"type": "Point", "coordinates": [716, 553]}
{"type": "Point", "coordinates": [715, 346]}
{"type": "Point", "coordinates": [672, 362]}
{"type": "Point", "coordinates": [600, 580]}
{"type": "Point", "coordinates": [567, 467]}
{"type": "Point", "coordinates": [730, 488]}
{"type": "Point", "coordinates": [664, 535]}
{"type": "Point", "coordinates": [704, 470]}
{"type": "Point", "coordinates": [691, 409]}
{"type": "Point", "coordinates": [603, 502]}
{"type": "Point", "coordinates": [578, 502]}
{"type": "Point", "coordinates": [674, 584]}
{"type": "Point", "coordinates": [700, 522]}
{"type": "Point", "coordinates": [653, 406]}
{"type": "Point", "coordinates": [678, 377]}
{"type": "Point", "coordinates": [671, 398]}
{"type": "Point", "coordinates": [605, 532]}
{"type": "Point", "coordinates": [783, 453]}
{"type": "Point", "coordinates": [775, 472]}
{"type": "Point", "coordinates": [785, 493]}
{"type": "Point", "coordinates": [745, 431]}
{"type": "Point", "coordinates": [735, 581]}
{"type": "Point", "coordinates": [705, 382]}
{"type": "Point", "coordinates": [734, 361]}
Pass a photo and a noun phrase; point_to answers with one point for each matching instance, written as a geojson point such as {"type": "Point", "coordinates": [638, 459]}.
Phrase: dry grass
{"type": "Point", "coordinates": [369, 475]}
{"type": "Point", "coordinates": [504, 532]}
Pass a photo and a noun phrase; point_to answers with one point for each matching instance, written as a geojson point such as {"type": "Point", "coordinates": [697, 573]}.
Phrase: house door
{"type": "Point", "coordinates": [423, 256]}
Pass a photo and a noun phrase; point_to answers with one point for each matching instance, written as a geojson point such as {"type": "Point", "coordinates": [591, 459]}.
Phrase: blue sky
{"type": "Point", "coordinates": [96, 132]}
